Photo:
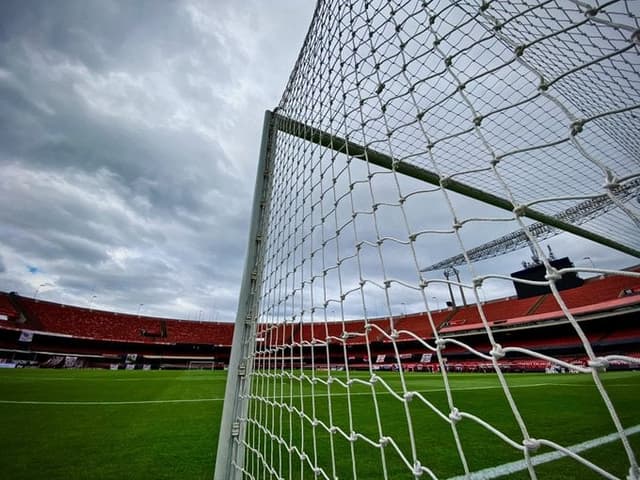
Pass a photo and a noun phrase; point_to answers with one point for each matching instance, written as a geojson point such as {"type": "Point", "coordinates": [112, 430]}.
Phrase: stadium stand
{"type": "Point", "coordinates": [41, 328]}
{"type": "Point", "coordinates": [607, 308]}
{"type": "Point", "coordinates": [7, 311]}
{"type": "Point", "coordinates": [595, 290]}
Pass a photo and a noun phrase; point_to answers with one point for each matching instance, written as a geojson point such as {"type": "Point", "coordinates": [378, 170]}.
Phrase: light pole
{"type": "Point", "coordinates": [484, 295]}
{"type": "Point", "coordinates": [437, 302]}
{"type": "Point", "coordinates": [35, 294]}
{"type": "Point", "coordinates": [93, 297]}
{"type": "Point", "coordinates": [590, 261]}
{"type": "Point", "coordinates": [404, 309]}
{"type": "Point", "coordinates": [139, 307]}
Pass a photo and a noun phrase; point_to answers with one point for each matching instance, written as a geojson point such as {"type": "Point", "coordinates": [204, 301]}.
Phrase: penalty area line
{"type": "Point", "coordinates": [520, 465]}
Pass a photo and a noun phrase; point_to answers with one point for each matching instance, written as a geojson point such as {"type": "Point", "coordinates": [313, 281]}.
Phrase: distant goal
{"type": "Point", "coordinates": [201, 365]}
{"type": "Point", "coordinates": [416, 146]}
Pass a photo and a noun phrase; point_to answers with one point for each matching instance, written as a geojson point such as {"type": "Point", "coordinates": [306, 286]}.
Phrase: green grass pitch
{"type": "Point", "coordinates": [84, 424]}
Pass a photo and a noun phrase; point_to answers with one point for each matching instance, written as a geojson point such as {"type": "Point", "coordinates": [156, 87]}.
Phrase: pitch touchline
{"type": "Point", "coordinates": [514, 467]}
{"type": "Point", "coordinates": [125, 402]}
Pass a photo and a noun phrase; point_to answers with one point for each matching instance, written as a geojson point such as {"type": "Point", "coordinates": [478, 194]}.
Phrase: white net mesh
{"type": "Point", "coordinates": [534, 104]}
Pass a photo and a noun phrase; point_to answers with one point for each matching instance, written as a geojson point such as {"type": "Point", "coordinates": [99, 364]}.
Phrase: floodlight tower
{"type": "Point", "coordinates": [447, 273]}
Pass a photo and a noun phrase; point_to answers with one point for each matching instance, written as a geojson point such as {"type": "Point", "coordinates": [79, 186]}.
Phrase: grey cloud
{"type": "Point", "coordinates": [106, 35]}
{"type": "Point", "coordinates": [128, 135]}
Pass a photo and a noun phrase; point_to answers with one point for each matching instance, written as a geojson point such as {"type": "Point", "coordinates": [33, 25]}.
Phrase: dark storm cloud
{"type": "Point", "coordinates": [108, 35]}
{"type": "Point", "coordinates": [128, 136]}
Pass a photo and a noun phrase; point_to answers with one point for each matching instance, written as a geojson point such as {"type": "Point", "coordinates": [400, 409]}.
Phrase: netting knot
{"type": "Point", "coordinates": [315, 423]}
{"type": "Point", "coordinates": [497, 352]}
{"type": "Point", "coordinates": [531, 444]}
{"type": "Point", "coordinates": [456, 226]}
{"type": "Point", "coordinates": [353, 437]}
{"type": "Point", "coordinates": [333, 430]}
{"type": "Point", "coordinates": [317, 471]}
{"type": "Point", "coordinates": [394, 334]}
{"type": "Point", "coordinates": [635, 37]}
{"type": "Point", "coordinates": [384, 441]}
{"type": "Point", "coordinates": [477, 282]}
{"type": "Point", "coordinates": [519, 50]}
{"type": "Point", "coordinates": [519, 210]}
{"type": "Point", "coordinates": [373, 379]}
{"type": "Point", "coordinates": [440, 344]}
{"type": "Point", "coordinates": [455, 415]}
{"type": "Point", "coordinates": [612, 181]}
{"type": "Point", "coordinates": [408, 396]}
{"type": "Point", "coordinates": [544, 86]}
{"type": "Point", "coordinates": [553, 274]}
{"type": "Point", "coordinates": [477, 121]}
{"type": "Point", "coordinates": [599, 364]}
{"type": "Point", "coordinates": [592, 12]}
{"type": "Point", "coordinates": [577, 127]}
{"type": "Point", "coordinates": [417, 469]}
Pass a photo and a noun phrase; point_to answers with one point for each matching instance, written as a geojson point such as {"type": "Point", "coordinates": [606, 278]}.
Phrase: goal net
{"type": "Point", "coordinates": [417, 146]}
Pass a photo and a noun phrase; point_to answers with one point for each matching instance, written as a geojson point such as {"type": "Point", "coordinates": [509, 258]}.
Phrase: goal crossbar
{"type": "Point", "coordinates": [354, 150]}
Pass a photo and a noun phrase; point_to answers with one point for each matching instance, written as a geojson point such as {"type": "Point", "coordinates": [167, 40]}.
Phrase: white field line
{"type": "Point", "coordinates": [106, 379]}
{"type": "Point", "coordinates": [514, 467]}
{"type": "Point", "coordinates": [125, 402]}
{"type": "Point", "coordinates": [333, 394]}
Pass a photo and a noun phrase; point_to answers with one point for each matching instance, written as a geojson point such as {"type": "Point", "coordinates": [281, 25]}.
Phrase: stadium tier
{"type": "Point", "coordinates": [35, 330]}
{"type": "Point", "coordinates": [7, 311]}
{"type": "Point", "coordinates": [606, 305]}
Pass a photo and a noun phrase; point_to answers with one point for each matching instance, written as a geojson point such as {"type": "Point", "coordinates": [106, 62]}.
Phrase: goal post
{"type": "Point", "coordinates": [230, 450]}
{"type": "Point", "coordinates": [408, 134]}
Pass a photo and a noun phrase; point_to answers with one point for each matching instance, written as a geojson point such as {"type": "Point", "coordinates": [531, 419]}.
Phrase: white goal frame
{"type": "Point", "coordinates": [298, 132]}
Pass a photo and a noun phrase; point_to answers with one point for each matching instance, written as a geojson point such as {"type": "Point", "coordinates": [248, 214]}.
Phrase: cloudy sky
{"type": "Point", "coordinates": [129, 133]}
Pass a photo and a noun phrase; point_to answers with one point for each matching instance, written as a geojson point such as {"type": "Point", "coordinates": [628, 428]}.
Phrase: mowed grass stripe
{"type": "Point", "coordinates": [333, 394]}
{"type": "Point", "coordinates": [154, 440]}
